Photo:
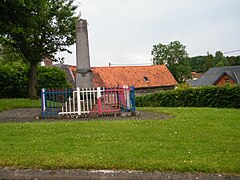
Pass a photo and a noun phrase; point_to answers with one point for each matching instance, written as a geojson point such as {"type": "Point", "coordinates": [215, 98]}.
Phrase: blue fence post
{"type": "Point", "coordinates": [43, 99]}
{"type": "Point", "coordinates": [132, 98]}
{"type": "Point", "coordinates": [50, 101]}
{"type": "Point", "coordinates": [54, 102]}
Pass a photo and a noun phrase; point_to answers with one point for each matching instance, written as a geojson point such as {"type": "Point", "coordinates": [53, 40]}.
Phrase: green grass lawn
{"type": "Point", "coordinates": [196, 140]}
{"type": "Point", "coordinates": [6, 104]}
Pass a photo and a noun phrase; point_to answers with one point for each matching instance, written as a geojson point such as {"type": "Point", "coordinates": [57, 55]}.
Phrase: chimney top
{"type": "Point", "coordinates": [48, 61]}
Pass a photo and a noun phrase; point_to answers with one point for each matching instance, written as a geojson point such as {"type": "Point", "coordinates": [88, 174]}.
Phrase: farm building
{"type": "Point", "coordinates": [145, 79]}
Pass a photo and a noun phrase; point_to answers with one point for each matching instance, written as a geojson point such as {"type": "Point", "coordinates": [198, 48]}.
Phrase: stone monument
{"type": "Point", "coordinates": [84, 75]}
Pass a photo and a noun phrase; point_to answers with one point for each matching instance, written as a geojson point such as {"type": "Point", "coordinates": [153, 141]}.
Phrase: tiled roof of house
{"type": "Point", "coordinates": [139, 76]}
{"type": "Point", "coordinates": [213, 74]}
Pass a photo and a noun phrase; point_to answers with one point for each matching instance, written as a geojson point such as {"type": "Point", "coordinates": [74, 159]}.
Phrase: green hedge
{"type": "Point", "coordinates": [221, 97]}
{"type": "Point", "coordinates": [51, 77]}
{"type": "Point", "coordinates": [14, 80]}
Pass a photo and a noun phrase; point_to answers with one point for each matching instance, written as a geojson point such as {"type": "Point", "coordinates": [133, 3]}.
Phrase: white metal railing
{"type": "Point", "coordinates": [81, 102]}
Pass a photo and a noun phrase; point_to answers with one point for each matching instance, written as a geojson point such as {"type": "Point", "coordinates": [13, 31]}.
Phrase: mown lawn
{"type": "Point", "coordinates": [196, 140]}
{"type": "Point", "coordinates": [6, 104]}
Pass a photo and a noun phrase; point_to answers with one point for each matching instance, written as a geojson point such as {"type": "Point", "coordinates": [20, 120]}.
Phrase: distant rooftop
{"type": "Point", "coordinates": [213, 75]}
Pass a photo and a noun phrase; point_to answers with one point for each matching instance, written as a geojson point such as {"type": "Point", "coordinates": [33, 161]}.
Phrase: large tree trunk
{"type": "Point", "coordinates": [32, 85]}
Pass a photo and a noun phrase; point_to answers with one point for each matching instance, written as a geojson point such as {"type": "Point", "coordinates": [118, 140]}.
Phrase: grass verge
{"type": "Point", "coordinates": [6, 104]}
{"type": "Point", "coordinates": [196, 140]}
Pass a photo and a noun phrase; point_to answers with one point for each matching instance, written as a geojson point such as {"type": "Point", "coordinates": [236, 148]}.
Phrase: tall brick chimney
{"type": "Point", "coordinates": [47, 61]}
{"type": "Point", "coordinates": [83, 74]}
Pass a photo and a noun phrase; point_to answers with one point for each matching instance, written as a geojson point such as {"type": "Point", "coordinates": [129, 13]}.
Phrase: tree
{"type": "Point", "coordinates": [202, 63]}
{"type": "Point", "coordinates": [36, 29]}
{"type": "Point", "coordinates": [175, 57]}
{"type": "Point", "coordinates": [220, 60]}
{"type": "Point", "coordinates": [209, 61]}
{"type": "Point", "coordinates": [197, 63]}
{"type": "Point", "coordinates": [233, 60]}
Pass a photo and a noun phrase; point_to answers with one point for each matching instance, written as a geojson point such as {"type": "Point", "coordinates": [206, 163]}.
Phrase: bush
{"type": "Point", "coordinates": [14, 80]}
{"type": "Point", "coordinates": [221, 97]}
{"type": "Point", "coordinates": [51, 77]}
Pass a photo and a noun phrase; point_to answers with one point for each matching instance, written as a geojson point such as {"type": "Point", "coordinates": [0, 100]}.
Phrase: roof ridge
{"type": "Point", "coordinates": [124, 66]}
{"type": "Point", "coordinates": [223, 67]}
{"type": "Point", "coordinates": [111, 66]}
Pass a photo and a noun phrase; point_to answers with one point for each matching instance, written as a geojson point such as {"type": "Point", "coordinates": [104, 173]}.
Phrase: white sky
{"type": "Point", "coordinates": [124, 32]}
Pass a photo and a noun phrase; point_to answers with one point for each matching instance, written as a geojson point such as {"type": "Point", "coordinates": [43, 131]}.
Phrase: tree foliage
{"type": "Point", "coordinates": [15, 79]}
{"type": "Point", "coordinates": [8, 54]}
{"type": "Point", "coordinates": [175, 57]}
{"type": "Point", "coordinates": [36, 29]}
{"type": "Point", "coordinates": [201, 64]}
{"type": "Point", "coordinates": [220, 60]}
{"type": "Point", "coordinates": [233, 60]}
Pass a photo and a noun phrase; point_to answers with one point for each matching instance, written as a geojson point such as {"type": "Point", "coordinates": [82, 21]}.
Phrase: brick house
{"type": "Point", "coordinates": [219, 76]}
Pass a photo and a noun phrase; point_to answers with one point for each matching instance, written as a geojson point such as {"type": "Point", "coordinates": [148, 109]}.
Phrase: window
{"type": "Point", "coordinates": [227, 80]}
{"type": "Point", "coordinates": [146, 79]}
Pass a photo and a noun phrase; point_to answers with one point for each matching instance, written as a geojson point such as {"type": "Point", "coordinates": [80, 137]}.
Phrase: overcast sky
{"type": "Point", "coordinates": [124, 32]}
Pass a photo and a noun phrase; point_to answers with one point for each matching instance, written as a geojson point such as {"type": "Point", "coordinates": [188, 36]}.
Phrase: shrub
{"type": "Point", "coordinates": [51, 77]}
{"type": "Point", "coordinates": [14, 79]}
{"type": "Point", "coordinates": [221, 97]}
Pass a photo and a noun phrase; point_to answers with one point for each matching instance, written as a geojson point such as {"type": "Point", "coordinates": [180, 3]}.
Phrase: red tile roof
{"type": "Point", "coordinates": [139, 76]}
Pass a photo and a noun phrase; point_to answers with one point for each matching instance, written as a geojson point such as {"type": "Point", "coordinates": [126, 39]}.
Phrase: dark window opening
{"type": "Point", "coordinates": [227, 80]}
{"type": "Point", "coordinates": [146, 79]}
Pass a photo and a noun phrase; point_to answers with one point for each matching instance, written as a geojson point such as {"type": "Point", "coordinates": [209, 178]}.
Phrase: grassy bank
{"type": "Point", "coordinates": [6, 104]}
{"type": "Point", "coordinates": [197, 139]}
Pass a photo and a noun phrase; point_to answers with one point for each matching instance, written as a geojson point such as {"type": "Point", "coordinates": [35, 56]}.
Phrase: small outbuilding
{"type": "Point", "coordinates": [145, 79]}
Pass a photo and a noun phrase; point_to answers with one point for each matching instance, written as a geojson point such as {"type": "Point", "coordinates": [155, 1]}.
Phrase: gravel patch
{"type": "Point", "coordinates": [34, 115]}
{"type": "Point", "coordinates": [20, 115]}
{"type": "Point", "coordinates": [8, 173]}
